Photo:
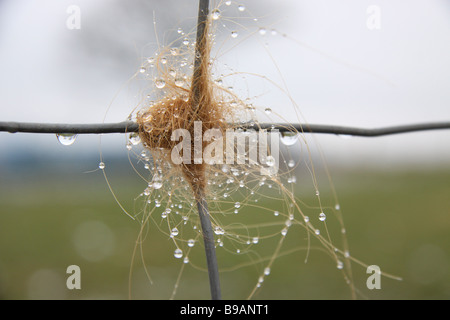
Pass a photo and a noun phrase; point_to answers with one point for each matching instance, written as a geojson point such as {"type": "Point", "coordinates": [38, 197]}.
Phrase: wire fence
{"type": "Point", "coordinates": [131, 126]}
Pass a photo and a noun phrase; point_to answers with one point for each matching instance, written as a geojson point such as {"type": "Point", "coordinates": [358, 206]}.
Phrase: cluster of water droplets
{"type": "Point", "coordinates": [232, 189]}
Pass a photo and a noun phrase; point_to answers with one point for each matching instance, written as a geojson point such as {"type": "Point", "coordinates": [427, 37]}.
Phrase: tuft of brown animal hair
{"type": "Point", "coordinates": [180, 108]}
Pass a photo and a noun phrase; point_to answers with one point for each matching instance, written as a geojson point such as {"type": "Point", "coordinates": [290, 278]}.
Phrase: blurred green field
{"type": "Point", "coordinates": [399, 221]}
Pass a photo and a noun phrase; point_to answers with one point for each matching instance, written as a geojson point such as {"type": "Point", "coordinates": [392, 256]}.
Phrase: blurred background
{"type": "Point", "coordinates": [352, 62]}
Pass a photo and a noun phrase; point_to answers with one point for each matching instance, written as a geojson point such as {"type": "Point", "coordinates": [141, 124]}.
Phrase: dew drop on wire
{"type": "Point", "coordinates": [267, 271]}
{"type": "Point", "coordinates": [191, 243]}
{"type": "Point", "coordinates": [322, 216]}
{"type": "Point", "coordinates": [289, 138]}
{"type": "Point", "coordinates": [66, 139]}
{"type": "Point", "coordinates": [218, 230]}
{"type": "Point", "coordinates": [234, 34]}
{"type": "Point", "coordinates": [241, 7]}
{"type": "Point", "coordinates": [134, 138]}
{"type": "Point", "coordinates": [101, 165]}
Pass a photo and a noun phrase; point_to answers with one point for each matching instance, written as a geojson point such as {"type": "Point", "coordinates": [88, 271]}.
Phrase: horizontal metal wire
{"type": "Point", "coordinates": [130, 126]}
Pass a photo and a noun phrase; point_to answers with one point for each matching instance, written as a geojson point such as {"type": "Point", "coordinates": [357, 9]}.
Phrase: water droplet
{"type": "Point", "coordinates": [268, 110]}
{"type": "Point", "coordinates": [178, 253]}
{"type": "Point", "coordinates": [215, 14]}
{"type": "Point", "coordinates": [179, 82]}
{"type": "Point", "coordinates": [284, 232]}
{"type": "Point", "coordinates": [241, 7]}
{"type": "Point", "coordinates": [234, 34]}
{"type": "Point", "coordinates": [317, 231]}
{"type": "Point", "coordinates": [255, 240]}
{"type": "Point", "coordinates": [347, 254]}
{"type": "Point", "coordinates": [228, 3]}
{"type": "Point", "coordinates": [291, 163]}
{"type": "Point", "coordinates": [134, 138]}
{"type": "Point", "coordinates": [218, 230]}
{"type": "Point", "coordinates": [276, 213]}
{"type": "Point", "coordinates": [163, 60]}
{"type": "Point", "coordinates": [186, 41]}
{"type": "Point", "coordinates": [306, 219]}
{"type": "Point", "coordinates": [101, 165]}
{"type": "Point", "coordinates": [160, 83]}
{"type": "Point", "coordinates": [340, 265]}
{"type": "Point", "coordinates": [267, 271]}
{"type": "Point", "coordinates": [237, 205]}
{"type": "Point", "coordinates": [191, 243]}
{"type": "Point", "coordinates": [174, 232]}
{"type": "Point", "coordinates": [186, 260]}
{"type": "Point", "coordinates": [337, 206]}
{"type": "Point", "coordinates": [292, 179]}
{"type": "Point", "coordinates": [262, 31]}
{"type": "Point", "coordinates": [288, 223]}
{"type": "Point", "coordinates": [142, 70]}
{"type": "Point", "coordinates": [66, 139]}
{"type": "Point", "coordinates": [289, 138]}
{"type": "Point", "coordinates": [157, 182]}
{"type": "Point", "coordinates": [180, 30]}
{"type": "Point", "coordinates": [322, 216]}
{"type": "Point", "coordinates": [270, 161]}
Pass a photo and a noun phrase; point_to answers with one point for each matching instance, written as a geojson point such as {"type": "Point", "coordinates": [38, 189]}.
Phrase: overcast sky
{"type": "Point", "coordinates": [348, 62]}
